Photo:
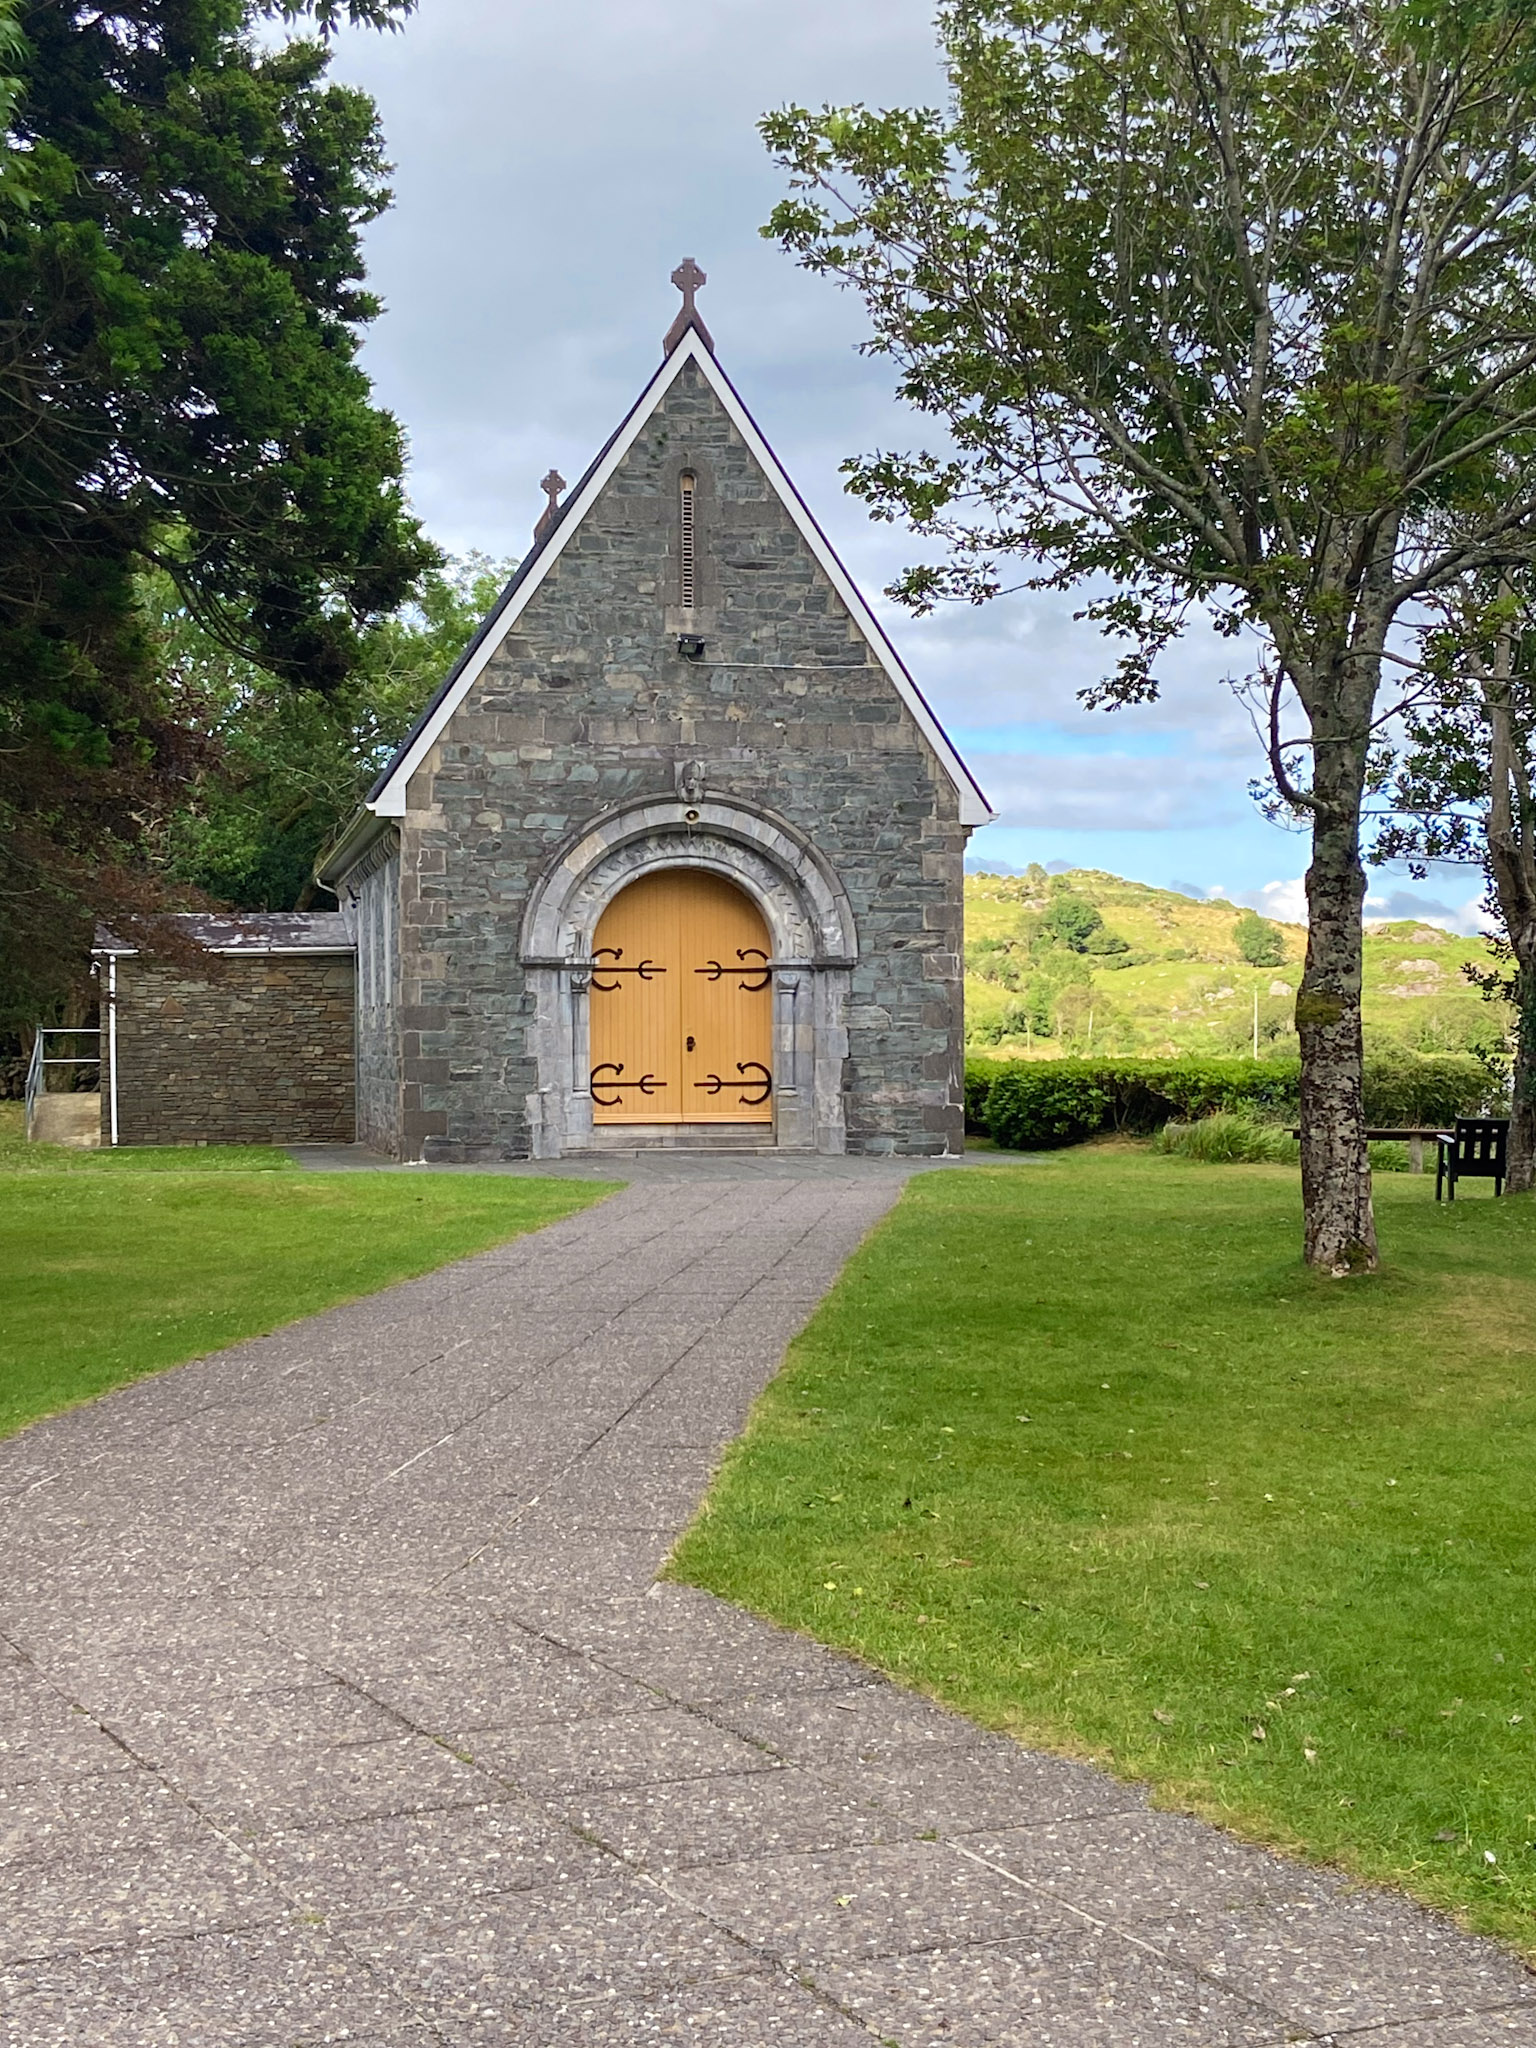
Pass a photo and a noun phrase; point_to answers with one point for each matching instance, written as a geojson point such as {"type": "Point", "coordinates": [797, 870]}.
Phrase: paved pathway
{"type": "Point", "coordinates": [337, 1704]}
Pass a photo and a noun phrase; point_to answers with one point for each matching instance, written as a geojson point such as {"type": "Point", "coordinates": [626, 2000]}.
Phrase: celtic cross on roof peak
{"type": "Point", "coordinates": [688, 278]}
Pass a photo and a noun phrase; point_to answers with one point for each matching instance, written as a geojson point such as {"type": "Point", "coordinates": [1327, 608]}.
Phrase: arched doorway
{"type": "Point", "coordinates": [813, 942]}
{"type": "Point", "coordinates": [681, 1004]}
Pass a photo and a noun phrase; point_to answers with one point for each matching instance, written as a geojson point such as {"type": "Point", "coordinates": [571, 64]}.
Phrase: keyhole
{"type": "Point", "coordinates": [690, 1045]}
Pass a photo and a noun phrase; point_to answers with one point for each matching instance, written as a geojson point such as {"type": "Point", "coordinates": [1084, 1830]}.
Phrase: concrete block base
{"type": "Point", "coordinates": [66, 1120]}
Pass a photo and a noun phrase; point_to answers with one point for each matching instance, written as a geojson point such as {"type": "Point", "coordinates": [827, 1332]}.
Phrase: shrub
{"type": "Point", "coordinates": [1071, 921]}
{"type": "Point", "coordinates": [1048, 1102]}
{"type": "Point", "coordinates": [1226, 1139]}
{"type": "Point", "coordinates": [1229, 1139]}
{"type": "Point", "coordinates": [979, 1076]}
{"type": "Point", "coordinates": [1261, 943]}
{"type": "Point", "coordinates": [1403, 1087]}
{"type": "Point", "coordinates": [1030, 1105]}
{"type": "Point", "coordinates": [1061, 1102]}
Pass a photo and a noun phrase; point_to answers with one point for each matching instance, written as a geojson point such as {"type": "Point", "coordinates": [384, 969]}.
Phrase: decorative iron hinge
{"type": "Point", "coordinates": [759, 967]}
{"type": "Point", "coordinates": [647, 1084]}
{"type": "Point", "coordinates": [647, 970]}
{"type": "Point", "coordinates": [764, 1087]}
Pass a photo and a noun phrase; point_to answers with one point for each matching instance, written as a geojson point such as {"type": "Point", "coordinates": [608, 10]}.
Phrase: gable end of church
{"type": "Point", "coordinates": [681, 710]}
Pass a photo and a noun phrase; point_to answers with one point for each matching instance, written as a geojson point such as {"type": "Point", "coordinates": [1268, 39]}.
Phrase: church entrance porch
{"type": "Point", "coordinates": [689, 961]}
{"type": "Point", "coordinates": [681, 1005]}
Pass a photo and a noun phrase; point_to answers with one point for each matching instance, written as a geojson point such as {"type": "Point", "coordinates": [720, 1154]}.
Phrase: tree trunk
{"type": "Point", "coordinates": [1512, 865]}
{"type": "Point", "coordinates": [1520, 1177]}
{"type": "Point", "coordinates": [1340, 1229]}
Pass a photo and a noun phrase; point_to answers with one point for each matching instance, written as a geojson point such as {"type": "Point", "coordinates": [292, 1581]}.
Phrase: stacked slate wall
{"type": "Point", "coordinates": [261, 1052]}
{"type": "Point", "coordinates": [588, 702]}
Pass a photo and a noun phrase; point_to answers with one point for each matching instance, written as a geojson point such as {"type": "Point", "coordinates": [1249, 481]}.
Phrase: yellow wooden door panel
{"type": "Point", "coordinates": [727, 1062]}
{"type": "Point", "coordinates": [636, 1007]}
{"type": "Point", "coordinates": [681, 1004]}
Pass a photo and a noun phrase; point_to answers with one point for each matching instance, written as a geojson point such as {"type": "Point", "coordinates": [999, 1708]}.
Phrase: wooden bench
{"type": "Point", "coordinates": [1411, 1135]}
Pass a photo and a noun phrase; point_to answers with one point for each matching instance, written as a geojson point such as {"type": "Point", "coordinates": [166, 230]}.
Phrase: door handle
{"type": "Point", "coordinates": [690, 1045]}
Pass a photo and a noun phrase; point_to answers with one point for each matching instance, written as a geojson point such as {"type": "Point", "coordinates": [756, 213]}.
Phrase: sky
{"type": "Point", "coordinates": [552, 165]}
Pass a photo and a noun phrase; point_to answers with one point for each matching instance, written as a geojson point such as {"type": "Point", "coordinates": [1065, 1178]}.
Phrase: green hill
{"type": "Point", "coordinates": [1083, 962]}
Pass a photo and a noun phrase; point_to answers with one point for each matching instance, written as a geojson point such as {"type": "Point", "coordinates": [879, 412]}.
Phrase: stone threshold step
{"type": "Point", "coordinates": [753, 1138]}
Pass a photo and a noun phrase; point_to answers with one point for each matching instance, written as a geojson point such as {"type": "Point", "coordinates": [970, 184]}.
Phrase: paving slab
{"type": "Point", "coordinates": [874, 1899]}
{"type": "Point", "coordinates": [1076, 1990]}
{"type": "Point", "coordinates": [652, 1748]}
{"type": "Point", "coordinates": [252, 1989]}
{"type": "Point", "coordinates": [340, 1701]}
{"type": "Point", "coordinates": [1130, 1867]}
{"type": "Point", "coordinates": [722, 1818]}
{"type": "Point", "coordinates": [742, 2012]}
{"type": "Point", "coordinates": [425, 1859]}
{"type": "Point", "coordinates": [489, 1959]}
{"type": "Point", "coordinates": [1358, 1961]}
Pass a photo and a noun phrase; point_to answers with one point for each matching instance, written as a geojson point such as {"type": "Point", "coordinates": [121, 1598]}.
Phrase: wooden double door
{"type": "Point", "coordinates": [681, 1004]}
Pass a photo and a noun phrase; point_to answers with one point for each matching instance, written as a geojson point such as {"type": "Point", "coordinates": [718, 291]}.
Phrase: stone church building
{"type": "Point", "coordinates": [674, 855]}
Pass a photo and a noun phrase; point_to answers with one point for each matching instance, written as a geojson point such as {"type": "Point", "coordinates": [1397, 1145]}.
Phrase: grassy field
{"type": "Point", "coordinates": [1077, 1446]}
{"type": "Point", "coordinates": [1183, 986]}
{"type": "Point", "coordinates": [117, 1264]}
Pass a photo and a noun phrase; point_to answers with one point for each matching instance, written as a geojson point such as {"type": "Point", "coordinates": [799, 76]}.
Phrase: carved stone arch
{"type": "Point", "coordinates": [805, 904]}
{"type": "Point", "coordinates": [811, 927]}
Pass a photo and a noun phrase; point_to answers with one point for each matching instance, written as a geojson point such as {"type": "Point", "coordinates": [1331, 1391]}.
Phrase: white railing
{"type": "Point", "coordinates": [40, 1062]}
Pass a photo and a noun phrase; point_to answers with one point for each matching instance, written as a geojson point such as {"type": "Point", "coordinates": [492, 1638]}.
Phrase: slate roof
{"type": "Point", "coordinates": [251, 931]}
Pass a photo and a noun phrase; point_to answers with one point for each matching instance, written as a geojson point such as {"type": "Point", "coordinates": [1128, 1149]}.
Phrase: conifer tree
{"type": "Point", "coordinates": [181, 301]}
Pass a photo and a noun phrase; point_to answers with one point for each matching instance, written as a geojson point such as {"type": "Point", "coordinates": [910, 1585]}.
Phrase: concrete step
{"type": "Point", "coordinates": [683, 1138]}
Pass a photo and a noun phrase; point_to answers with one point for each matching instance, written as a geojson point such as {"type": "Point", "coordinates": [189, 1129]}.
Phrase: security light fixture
{"type": "Point", "coordinates": [691, 646]}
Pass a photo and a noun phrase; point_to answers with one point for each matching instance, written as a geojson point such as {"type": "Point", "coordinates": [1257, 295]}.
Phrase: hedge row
{"type": "Point", "coordinates": [1028, 1105]}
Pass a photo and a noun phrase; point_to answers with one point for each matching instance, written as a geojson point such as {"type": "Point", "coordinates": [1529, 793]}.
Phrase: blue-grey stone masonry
{"type": "Point", "coordinates": [588, 704]}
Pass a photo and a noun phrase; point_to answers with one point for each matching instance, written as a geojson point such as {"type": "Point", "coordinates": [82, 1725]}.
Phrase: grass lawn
{"type": "Point", "coordinates": [1080, 1448]}
{"type": "Point", "coordinates": [117, 1264]}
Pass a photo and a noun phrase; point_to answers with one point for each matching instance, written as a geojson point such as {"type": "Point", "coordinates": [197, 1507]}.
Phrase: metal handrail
{"type": "Point", "coordinates": [37, 1066]}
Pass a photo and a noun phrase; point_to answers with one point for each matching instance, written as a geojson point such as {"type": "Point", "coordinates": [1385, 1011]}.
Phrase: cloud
{"type": "Point", "coordinates": [1284, 901]}
{"type": "Point", "coordinates": [1399, 905]}
{"type": "Point", "coordinates": [1109, 792]}
{"type": "Point", "coordinates": [1403, 903]}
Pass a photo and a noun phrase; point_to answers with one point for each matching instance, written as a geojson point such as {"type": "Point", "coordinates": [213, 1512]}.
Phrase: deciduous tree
{"type": "Point", "coordinates": [1223, 304]}
{"type": "Point", "coordinates": [1460, 788]}
{"type": "Point", "coordinates": [282, 768]}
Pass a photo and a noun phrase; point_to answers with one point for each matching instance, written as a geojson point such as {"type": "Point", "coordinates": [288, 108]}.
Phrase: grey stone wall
{"type": "Point", "coordinates": [259, 1053]}
{"type": "Point", "coordinates": [588, 703]}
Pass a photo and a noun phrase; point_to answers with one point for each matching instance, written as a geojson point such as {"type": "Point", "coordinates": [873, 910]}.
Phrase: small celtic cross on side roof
{"type": "Point", "coordinates": [551, 486]}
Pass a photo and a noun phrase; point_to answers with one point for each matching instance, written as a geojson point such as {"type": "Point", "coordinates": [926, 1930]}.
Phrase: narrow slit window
{"type": "Point", "coordinates": [687, 487]}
